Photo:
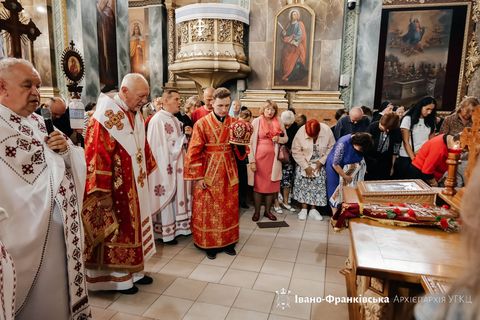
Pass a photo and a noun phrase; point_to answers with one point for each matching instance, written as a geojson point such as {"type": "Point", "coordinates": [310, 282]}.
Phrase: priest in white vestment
{"type": "Point", "coordinates": [170, 194]}
{"type": "Point", "coordinates": [43, 178]}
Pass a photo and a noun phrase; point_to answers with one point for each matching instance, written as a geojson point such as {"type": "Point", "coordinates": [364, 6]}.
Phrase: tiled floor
{"type": "Point", "coordinates": [304, 258]}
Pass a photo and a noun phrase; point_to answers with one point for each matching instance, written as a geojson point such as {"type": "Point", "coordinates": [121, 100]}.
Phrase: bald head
{"type": "Point", "coordinates": [355, 114]}
{"type": "Point", "coordinates": [57, 107]}
{"type": "Point", "coordinates": [208, 98]}
{"type": "Point", "coordinates": [134, 91]}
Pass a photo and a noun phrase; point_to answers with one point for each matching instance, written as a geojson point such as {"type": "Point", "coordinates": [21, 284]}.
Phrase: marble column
{"type": "Point", "coordinates": [157, 25]}
{"type": "Point", "coordinates": [60, 40]}
{"type": "Point", "coordinates": [367, 53]}
{"type": "Point", "coordinates": [123, 44]}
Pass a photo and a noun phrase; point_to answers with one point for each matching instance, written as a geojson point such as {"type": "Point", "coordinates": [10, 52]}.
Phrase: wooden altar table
{"type": "Point", "coordinates": [389, 255]}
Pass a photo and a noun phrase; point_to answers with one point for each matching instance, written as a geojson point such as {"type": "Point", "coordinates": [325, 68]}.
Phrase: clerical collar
{"type": "Point", "coordinates": [221, 119]}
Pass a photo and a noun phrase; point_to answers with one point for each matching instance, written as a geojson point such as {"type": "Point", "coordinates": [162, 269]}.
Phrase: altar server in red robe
{"type": "Point", "coordinates": [116, 214]}
{"type": "Point", "coordinates": [211, 163]}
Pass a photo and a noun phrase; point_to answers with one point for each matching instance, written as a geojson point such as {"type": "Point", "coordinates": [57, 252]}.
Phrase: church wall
{"type": "Point", "coordinates": [123, 44]}
{"type": "Point", "coordinates": [326, 50]}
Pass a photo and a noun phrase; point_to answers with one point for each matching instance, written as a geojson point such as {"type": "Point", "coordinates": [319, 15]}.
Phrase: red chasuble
{"type": "Point", "coordinates": [117, 244]}
{"type": "Point", "coordinates": [199, 113]}
{"type": "Point", "coordinates": [215, 209]}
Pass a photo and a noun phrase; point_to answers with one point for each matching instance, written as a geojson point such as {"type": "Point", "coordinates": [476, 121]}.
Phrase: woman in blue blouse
{"type": "Point", "coordinates": [345, 164]}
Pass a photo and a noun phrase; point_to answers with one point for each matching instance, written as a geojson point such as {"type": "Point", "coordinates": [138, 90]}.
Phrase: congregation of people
{"type": "Point", "coordinates": [142, 173]}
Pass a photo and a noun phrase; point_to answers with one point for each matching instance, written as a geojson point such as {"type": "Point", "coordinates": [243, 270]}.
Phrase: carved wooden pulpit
{"type": "Point", "coordinates": [17, 30]}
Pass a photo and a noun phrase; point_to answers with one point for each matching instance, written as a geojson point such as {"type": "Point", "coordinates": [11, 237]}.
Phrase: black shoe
{"type": "Point", "coordinates": [130, 291]}
{"type": "Point", "coordinates": [230, 251]}
{"type": "Point", "coordinates": [244, 205]}
{"type": "Point", "coordinates": [211, 255]}
{"type": "Point", "coordinates": [145, 280]}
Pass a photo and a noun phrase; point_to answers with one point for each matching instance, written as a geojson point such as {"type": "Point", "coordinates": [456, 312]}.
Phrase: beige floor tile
{"type": "Point", "coordinates": [102, 299]}
{"type": "Point", "coordinates": [334, 275]}
{"type": "Point", "coordinates": [309, 272]}
{"type": "Point", "coordinates": [167, 250]}
{"type": "Point", "coordinates": [102, 314]}
{"type": "Point", "coordinates": [254, 300]}
{"type": "Point", "coordinates": [222, 260]}
{"type": "Point", "coordinates": [282, 254]}
{"type": "Point", "coordinates": [206, 311]}
{"type": "Point", "coordinates": [240, 314]}
{"type": "Point", "coordinates": [317, 226]}
{"type": "Point", "coordinates": [334, 261]}
{"type": "Point", "coordinates": [134, 304]}
{"type": "Point", "coordinates": [254, 251]}
{"type": "Point", "coordinates": [179, 268]}
{"type": "Point", "coordinates": [334, 312]}
{"type": "Point", "coordinates": [280, 268]}
{"type": "Point", "coordinates": [266, 232]}
{"type": "Point", "coordinates": [305, 257]}
{"type": "Point", "coordinates": [168, 308]}
{"type": "Point", "coordinates": [239, 278]}
{"type": "Point", "coordinates": [290, 233]}
{"type": "Point", "coordinates": [335, 289]}
{"type": "Point", "coordinates": [338, 239]}
{"type": "Point", "coordinates": [286, 243]}
{"type": "Point", "coordinates": [208, 273]}
{"type": "Point", "coordinates": [155, 263]}
{"type": "Point", "coordinates": [309, 288]}
{"type": "Point", "coordinates": [338, 249]}
{"type": "Point", "coordinates": [277, 317]}
{"type": "Point", "coordinates": [261, 240]}
{"type": "Point", "coordinates": [185, 288]}
{"type": "Point", "coordinates": [313, 246]}
{"type": "Point", "coordinates": [247, 263]}
{"type": "Point", "coordinates": [160, 283]}
{"type": "Point", "coordinates": [319, 236]}
{"type": "Point", "coordinates": [297, 310]}
{"type": "Point", "coordinates": [270, 282]}
{"type": "Point", "coordinates": [190, 255]}
{"type": "Point", "coordinates": [126, 316]}
{"type": "Point", "coordinates": [219, 294]}
{"type": "Point", "coordinates": [184, 240]}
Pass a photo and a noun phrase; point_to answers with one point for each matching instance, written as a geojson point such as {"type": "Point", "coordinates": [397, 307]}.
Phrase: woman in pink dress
{"type": "Point", "coordinates": [268, 134]}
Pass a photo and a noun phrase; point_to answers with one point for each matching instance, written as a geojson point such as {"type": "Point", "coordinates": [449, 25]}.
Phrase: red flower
{"type": "Point", "coordinates": [446, 206]}
{"type": "Point", "coordinates": [403, 205]}
{"type": "Point", "coordinates": [397, 210]}
{"type": "Point", "coordinates": [411, 213]}
{"type": "Point", "coordinates": [444, 223]}
{"type": "Point", "coordinates": [390, 204]}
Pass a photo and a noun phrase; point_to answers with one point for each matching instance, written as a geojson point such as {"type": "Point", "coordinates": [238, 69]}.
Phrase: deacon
{"type": "Point", "coordinates": [201, 112]}
{"type": "Point", "coordinates": [116, 213]}
{"type": "Point", "coordinates": [211, 163]}
{"type": "Point", "coordinates": [43, 177]}
{"type": "Point", "coordinates": [170, 194]}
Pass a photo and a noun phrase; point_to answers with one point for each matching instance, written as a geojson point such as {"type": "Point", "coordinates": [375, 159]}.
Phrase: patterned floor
{"type": "Point", "coordinates": [304, 259]}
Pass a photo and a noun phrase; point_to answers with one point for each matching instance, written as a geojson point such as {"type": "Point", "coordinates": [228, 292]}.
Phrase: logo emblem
{"type": "Point", "coordinates": [283, 298]}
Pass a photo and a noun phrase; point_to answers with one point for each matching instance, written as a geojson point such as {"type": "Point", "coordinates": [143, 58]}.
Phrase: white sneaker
{"type": "Point", "coordinates": [314, 214]}
{"type": "Point", "coordinates": [302, 215]}
{"type": "Point", "coordinates": [288, 207]}
{"type": "Point", "coordinates": [278, 209]}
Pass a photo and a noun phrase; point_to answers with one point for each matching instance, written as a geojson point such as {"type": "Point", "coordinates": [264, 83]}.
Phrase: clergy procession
{"type": "Point", "coordinates": [239, 160]}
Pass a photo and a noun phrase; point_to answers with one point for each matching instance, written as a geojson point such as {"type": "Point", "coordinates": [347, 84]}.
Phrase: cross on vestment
{"type": "Point", "coordinates": [17, 29]}
{"type": "Point", "coordinates": [470, 138]}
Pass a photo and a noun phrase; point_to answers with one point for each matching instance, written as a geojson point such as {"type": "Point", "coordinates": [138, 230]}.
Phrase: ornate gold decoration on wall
{"type": "Point", "coordinates": [184, 32]}
{"type": "Point", "coordinates": [238, 32]}
{"type": "Point", "coordinates": [224, 30]}
{"type": "Point", "coordinates": [171, 41]}
{"type": "Point", "coordinates": [202, 30]}
{"type": "Point", "coordinates": [473, 59]}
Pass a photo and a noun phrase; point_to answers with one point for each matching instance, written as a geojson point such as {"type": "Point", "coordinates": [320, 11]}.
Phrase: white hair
{"type": "Point", "coordinates": [356, 109]}
{"type": "Point", "coordinates": [131, 78]}
{"type": "Point", "coordinates": [287, 117]}
{"type": "Point", "coordinates": [7, 64]}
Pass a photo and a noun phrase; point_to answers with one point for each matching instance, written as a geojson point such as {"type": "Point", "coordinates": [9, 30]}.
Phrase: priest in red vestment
{"type": "Point", "coordinates": [116, 213]}
{"type": "Point", "coordinates": [201, 112]}
{"type": "Point", "coordinates": [211, 163]}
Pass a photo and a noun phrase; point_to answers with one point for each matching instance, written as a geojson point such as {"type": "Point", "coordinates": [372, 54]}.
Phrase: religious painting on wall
{"type": "Point", "coordinates": [420, 55]}
{"type": "Point", "coordinates": [293, 47]}
{"type": "Point", "coordinates": [107, 44]}
{"type": "Point", "coordinates": [139, 41]}
{"type": "Point", "coordinates": [40, 54]}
